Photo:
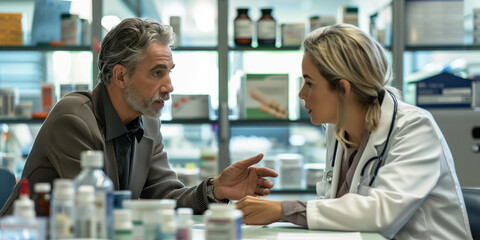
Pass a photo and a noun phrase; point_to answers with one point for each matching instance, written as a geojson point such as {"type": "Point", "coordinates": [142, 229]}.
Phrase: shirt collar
{"type": "Point", "coordinates": [114, 126]}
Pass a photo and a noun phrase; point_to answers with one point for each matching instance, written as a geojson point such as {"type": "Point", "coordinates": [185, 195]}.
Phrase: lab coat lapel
{"type": "Point", "coordinates": [376, 140]}
{"type": "Point", "coordinates": [336, 170]}
{"type": "Point", "coordinates": [140, 165]}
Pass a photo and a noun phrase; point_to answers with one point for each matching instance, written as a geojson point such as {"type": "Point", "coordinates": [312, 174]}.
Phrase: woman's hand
{"type": "Point", "coordinates": [258, 211]}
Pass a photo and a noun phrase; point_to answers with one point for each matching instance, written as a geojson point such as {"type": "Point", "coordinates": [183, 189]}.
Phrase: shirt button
{"type": "Point", "coordinates": [122, 153]}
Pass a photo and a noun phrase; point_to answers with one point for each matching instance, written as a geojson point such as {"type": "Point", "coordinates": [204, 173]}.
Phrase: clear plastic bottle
{"type": "Point", "coordinates": [184, 223]}
{"type": "Point", "coordinates": [22, 225]}
{"type": "Point", "coordinates": [266, 28]}
{"type": "Point", "coordinates": [243, 28]}
{"type": "Point", "coordinates": [223, 222]}
{"type": "Point", "coordinates": [92, 174]}
{"type": "Point", "coordinates": [168, 226]}
{"type": "Point", "coordinates": [62, 215]}
{"type": "Point", "coordinates": [123, 224]}
{"type": "Point", "coordinates": [85, 215]}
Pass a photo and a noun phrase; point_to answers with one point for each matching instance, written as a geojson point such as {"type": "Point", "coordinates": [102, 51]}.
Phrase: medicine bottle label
{"type": "Point", "coordinates": [220, 229]}
{"type": "Point", "coordinates": [267, 29]}
{"type": "Point", "coordinates": [243, 28]}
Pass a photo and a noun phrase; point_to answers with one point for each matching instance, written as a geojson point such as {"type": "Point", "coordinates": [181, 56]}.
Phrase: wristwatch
{"type": "Point", "coordinates": [210, 196]}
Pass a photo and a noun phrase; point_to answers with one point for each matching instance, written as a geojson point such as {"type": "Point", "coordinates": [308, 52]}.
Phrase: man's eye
{"type": "Point", "coordinates": [157, 74]}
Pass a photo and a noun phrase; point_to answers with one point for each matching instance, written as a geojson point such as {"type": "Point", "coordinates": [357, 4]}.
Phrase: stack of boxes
{"type": "Point", "coordinates": [10, 29]}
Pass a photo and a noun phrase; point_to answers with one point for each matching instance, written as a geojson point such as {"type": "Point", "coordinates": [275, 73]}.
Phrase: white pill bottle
{"type": "Point", "coordinates": [223, 222]}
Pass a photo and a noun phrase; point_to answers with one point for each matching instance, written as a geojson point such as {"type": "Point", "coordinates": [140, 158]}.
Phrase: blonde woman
{"type": "Point", "coordinates": [389, 169]}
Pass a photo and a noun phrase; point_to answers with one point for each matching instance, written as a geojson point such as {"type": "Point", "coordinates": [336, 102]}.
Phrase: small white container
{"type": "Point", "coordinates": [291, 170]}
{"type": "Point", "coordinates": [123, 228]}
{"type": "Point", "coordinates": [223, 222]}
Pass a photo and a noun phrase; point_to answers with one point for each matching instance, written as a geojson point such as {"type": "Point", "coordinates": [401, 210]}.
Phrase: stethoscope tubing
{"type": "Point", "coordinates": [379, 157]}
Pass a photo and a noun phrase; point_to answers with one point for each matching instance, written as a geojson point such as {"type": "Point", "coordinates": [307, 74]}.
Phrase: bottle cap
{"type": "Point", "coordinates": [86, 194]}
{"type": "Point", "coordinates": [221, 207]}
{"type": "Point", "coordinates": [242, 10]}
{"type": "Point", "coordinates": [42, 187]}
{"type": "Point", "coordinates": [168, 204]}
{"type": "Point", "coordinates": [24, 188]}
{"type": "Point", "coordinates": [92, 159]}
{"type": "Point", "coordinates": [63, 189]}
{"type": "Point", "coordinates": [266, 11]}
{"type": "Point", "coordinates": [184, 213]}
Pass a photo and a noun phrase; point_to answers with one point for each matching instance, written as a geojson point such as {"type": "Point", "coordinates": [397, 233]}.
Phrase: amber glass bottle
{"type": "Point", "coordinates": [42, 199]}
{"type": "Point", "coordinates": [243, 28]}
{"type": "Point", "coordinates": [266, 28]}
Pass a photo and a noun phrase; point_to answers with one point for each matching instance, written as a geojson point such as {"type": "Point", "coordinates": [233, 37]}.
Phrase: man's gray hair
{"type": "Point", "coordinates": [125, 44]}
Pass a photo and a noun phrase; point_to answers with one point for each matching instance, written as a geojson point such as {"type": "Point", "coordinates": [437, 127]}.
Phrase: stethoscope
{"type": "Point", "coordinates": [379, 158]}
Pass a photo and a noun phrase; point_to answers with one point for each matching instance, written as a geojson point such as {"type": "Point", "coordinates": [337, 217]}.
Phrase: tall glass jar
{"type": "Point", "coordinates": [243, 28]}
{"type": "Point", "coordinates": [266, 28]}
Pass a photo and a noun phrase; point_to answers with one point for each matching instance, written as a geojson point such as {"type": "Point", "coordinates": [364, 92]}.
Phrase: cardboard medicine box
{"type": "Point", "coordinates": [444, 90]}
{"type": "Point", "coordinates": [266, 96]}
{"type": "Point", "coordinates": [193, 106]}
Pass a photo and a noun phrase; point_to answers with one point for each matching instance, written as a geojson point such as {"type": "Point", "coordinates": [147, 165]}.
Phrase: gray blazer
{"type": "Point", "coordinates": [76, 124]}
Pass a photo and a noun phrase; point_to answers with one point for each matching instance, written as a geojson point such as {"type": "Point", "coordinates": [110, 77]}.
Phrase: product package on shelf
{"type": "Point", "coordinates": [444, 90]}
{"type": "Point", "coordinates": [348, 15]}
{"type": "Point", "coordinates": [192, 106]}
{"type": "Point", "coordinates": [11, 29]}
{"type": "Point", "coordinates": [434, 22]}
{"type": "Point", "coordinates": [293, 34]}
{"type": "Point", "coordinates": [266, 96]}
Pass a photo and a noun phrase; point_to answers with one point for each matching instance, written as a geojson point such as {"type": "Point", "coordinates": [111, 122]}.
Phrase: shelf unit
{"type": "Point", "coordinates": [223, 48]}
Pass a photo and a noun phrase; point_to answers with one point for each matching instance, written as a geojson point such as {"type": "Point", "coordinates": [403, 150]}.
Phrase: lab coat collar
{"type": "Point", "coordinates": [376, 141]}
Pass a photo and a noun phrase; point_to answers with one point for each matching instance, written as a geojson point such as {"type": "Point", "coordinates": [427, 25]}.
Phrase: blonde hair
{"type": "Point", "coordinates": [343, 51]}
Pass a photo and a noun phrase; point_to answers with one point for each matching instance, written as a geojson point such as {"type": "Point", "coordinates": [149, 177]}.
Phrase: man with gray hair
{"type": "Point", "coordinates": [121, 118]}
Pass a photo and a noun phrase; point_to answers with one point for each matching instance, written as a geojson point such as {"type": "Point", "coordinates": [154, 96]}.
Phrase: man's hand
{"type": "Point", "coordinates": [242, 179]}
{"type": "Point", "coordinates": [257, 211]}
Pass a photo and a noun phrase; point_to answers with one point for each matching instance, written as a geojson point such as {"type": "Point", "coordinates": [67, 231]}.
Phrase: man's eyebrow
{"type": "Point", "coordinates": [306, 76]}
{"type": "Point", "coordinates": [161, 66]}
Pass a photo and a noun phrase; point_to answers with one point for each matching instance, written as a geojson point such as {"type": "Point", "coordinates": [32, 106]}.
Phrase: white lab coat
{"type": "Point", "coordinates": [416, 194]}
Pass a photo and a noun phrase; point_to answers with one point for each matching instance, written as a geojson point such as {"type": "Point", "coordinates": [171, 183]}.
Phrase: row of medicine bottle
{"type": "Point", "coordinates": [266, 28]}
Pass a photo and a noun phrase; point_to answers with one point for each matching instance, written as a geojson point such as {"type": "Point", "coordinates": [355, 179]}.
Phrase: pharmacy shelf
{"type": "Point", "coordinates": [189, 121]}
{"type": "Point", "coordinates": [260, 48]}
{"type": "Point", "coordinates": [46, 48]}
{"type": "Point", "coordinates": [195, 48]}
{"type": "Point", "coordinates": [442, 48]}
{"type": "Point", "coordinates": [19, 120]}
{"type": "Point", "coordinates": [269, 122]}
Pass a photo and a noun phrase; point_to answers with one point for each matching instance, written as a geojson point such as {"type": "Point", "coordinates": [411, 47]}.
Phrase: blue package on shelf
{"type": "Point", "coordinates": [444, 90]}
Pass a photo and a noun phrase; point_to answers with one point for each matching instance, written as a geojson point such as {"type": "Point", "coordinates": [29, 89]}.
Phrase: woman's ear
{"type": "Point", "coordinates": [118, 75]}
{"type": "Point", "coordinates": [346, 87]}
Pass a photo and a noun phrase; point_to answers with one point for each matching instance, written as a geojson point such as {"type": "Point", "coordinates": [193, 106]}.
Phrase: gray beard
{"type": "Point", "coordinates": [142, 105]}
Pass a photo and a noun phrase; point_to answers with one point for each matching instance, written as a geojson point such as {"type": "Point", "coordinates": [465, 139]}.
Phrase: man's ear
{"type": "Point", "coordinates": [118, 75]}
{"type": "Point", "coordinates": [345, 86]}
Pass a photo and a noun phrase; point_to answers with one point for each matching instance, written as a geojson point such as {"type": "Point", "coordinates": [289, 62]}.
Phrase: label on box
{"type": "Point", "coordinates": [444, 90]}
{"type": "Point", "coordinates": [190, 106]}
{"type": "Point", "coordinates": [266, 96]}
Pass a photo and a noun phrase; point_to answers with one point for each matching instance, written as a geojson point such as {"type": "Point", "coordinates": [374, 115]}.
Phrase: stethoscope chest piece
{"type": "Point", "coordinates": [329, 177]}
